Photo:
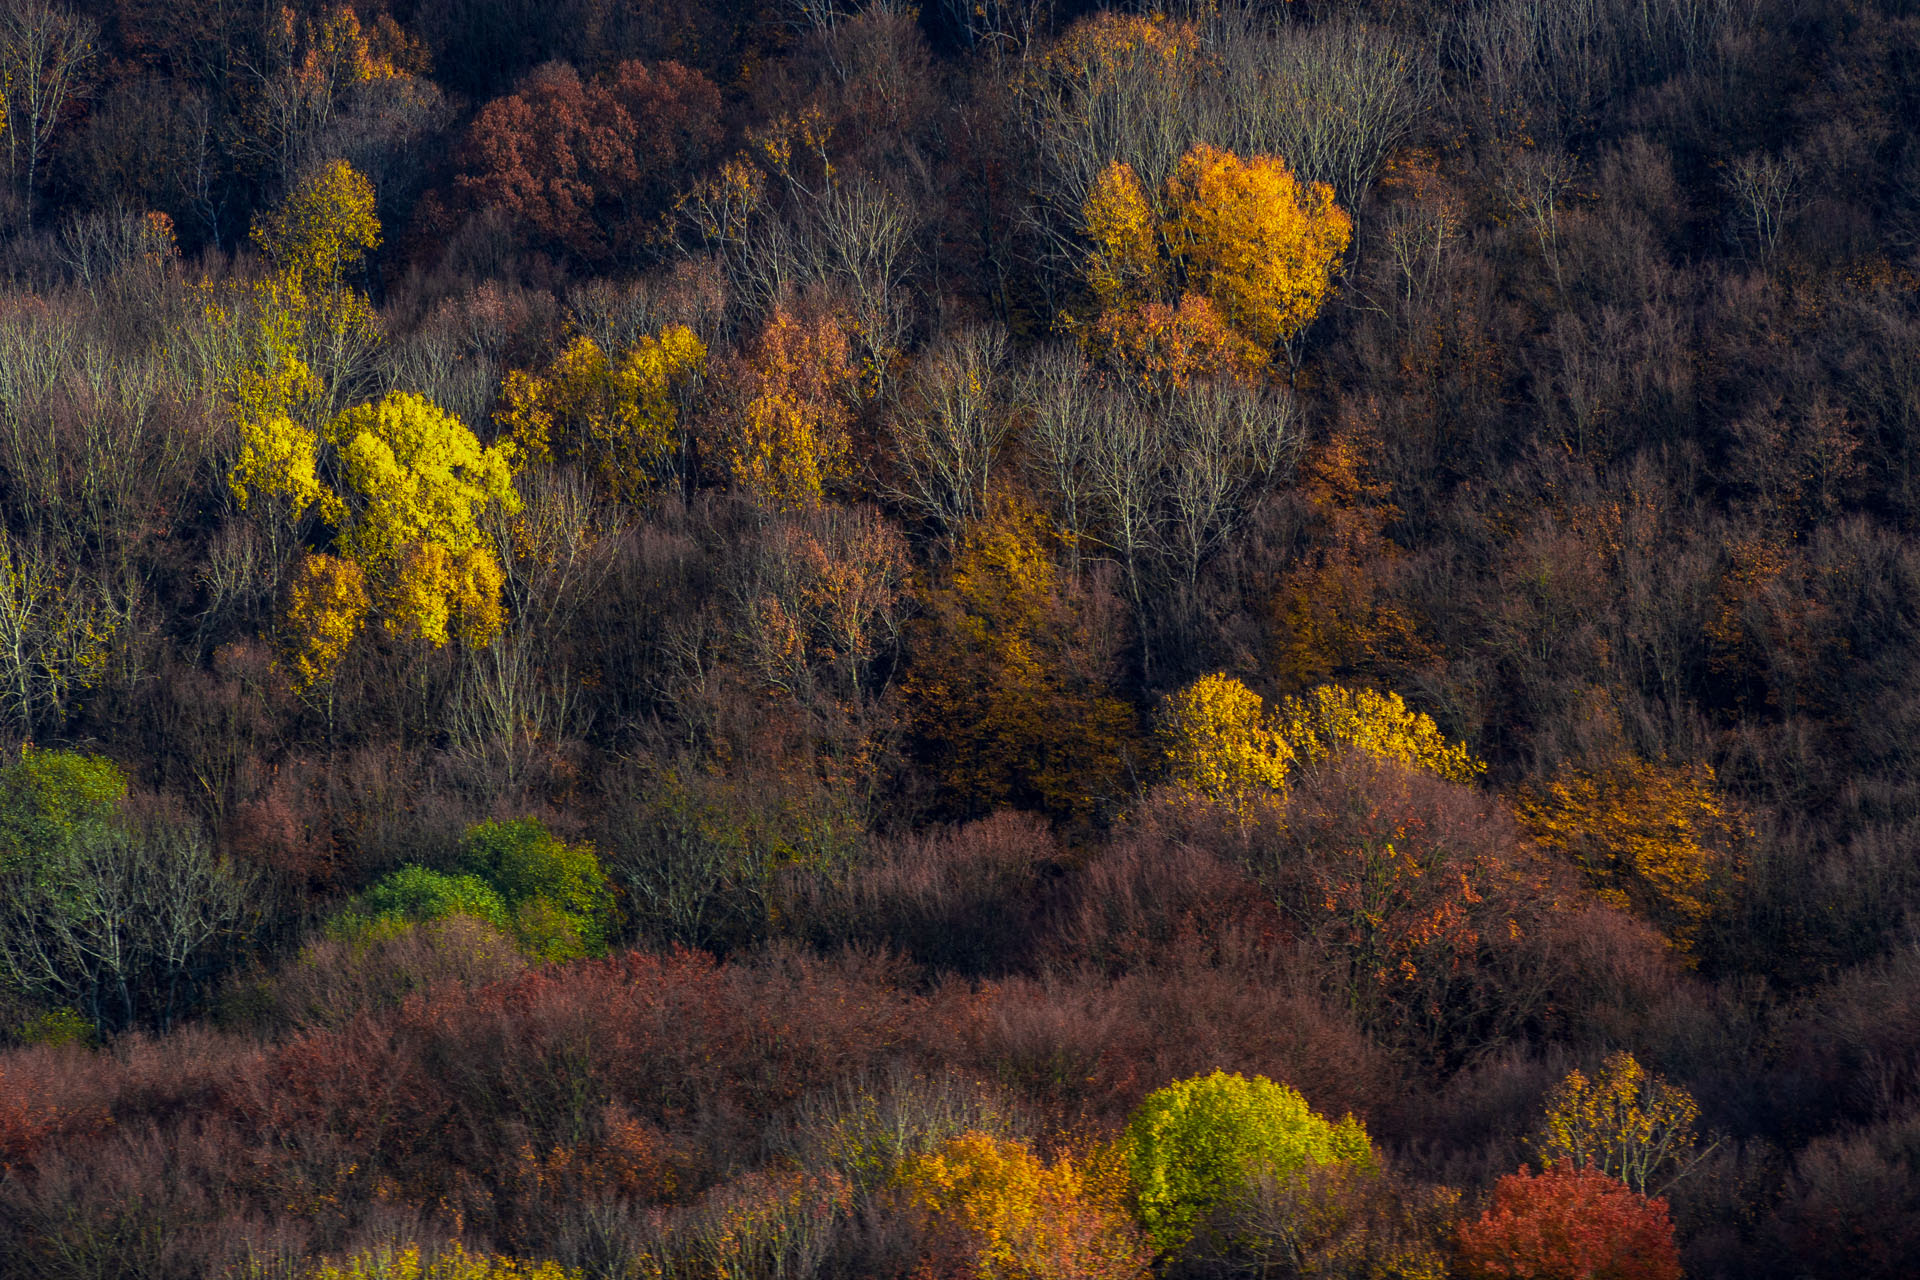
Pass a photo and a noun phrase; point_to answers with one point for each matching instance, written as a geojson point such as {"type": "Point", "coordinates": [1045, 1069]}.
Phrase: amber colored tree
{"type": "Point", "coordinates": [780, 430]}
{"type": "Point", "coordinates": [1569, 1224]}
{"type": "Point", "coordinates": [1259, 243]}
{"type": "Point", "coordinates": [1003, 687]}
{"type": "Point", "coordinates": [1332, 614]}
{"type": "Point", "coordinates": [581, 165]}
{"type": "Point", "coordinates": [1011, 1216]}
{"type": "Point", "coordinates": [1653, 837]}
{"type": "Point", "coordinates": [326, 604]}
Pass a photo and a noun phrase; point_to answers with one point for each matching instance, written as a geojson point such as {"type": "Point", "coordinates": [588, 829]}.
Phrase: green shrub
{"type": "Point", "coordinates": [526, 864]}
{"type": "Point", "coordinates": [549, 896]}
{"type": "Point", "coordinates": [1197, 1144]}
{"type": "Point", "coordinates": [416, 893]}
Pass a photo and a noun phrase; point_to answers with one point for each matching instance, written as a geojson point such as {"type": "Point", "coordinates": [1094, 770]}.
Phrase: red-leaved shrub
{"type": "Point", "coordinates": [1569, 1224]}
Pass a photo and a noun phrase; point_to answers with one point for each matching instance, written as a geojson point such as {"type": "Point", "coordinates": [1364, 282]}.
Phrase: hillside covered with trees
{"type": "Point", "coordinates": [1001, 640]}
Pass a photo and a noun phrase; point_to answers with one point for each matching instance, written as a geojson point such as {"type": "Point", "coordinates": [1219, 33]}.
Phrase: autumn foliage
{"type": "Point", "coordinates": [1569, 1223]}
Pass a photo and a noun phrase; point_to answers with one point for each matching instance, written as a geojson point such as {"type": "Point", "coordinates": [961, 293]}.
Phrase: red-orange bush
{"type": "Point", "coordinates": [1569, 1224]}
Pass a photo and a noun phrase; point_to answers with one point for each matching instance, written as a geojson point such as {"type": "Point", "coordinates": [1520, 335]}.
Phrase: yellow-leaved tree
{"type": "Point", "coordinates": [618, 416]}
{"type": "Point", "coordinates": [1259, 243]}
{"type": "Point", "coordinates": [416, 484]}
{"type": "Point", "coordinates": [1011, 1216]}
{"type": "Point", "coordinates": [1655, 838]}
{"type": "Point", "coordinates": [1242, 234]}
{"type": "Point", "coordinates": [1624, 1121]}
{"type": "Point", "coordinates": [413, 486]}
{"type": "Point", "coordinates": [1223, 742]}
{"type": "Point", "coordinates": [325, 227]}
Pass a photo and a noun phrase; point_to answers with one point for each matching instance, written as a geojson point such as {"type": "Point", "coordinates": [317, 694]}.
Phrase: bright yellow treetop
{"type": "Point", "coordinates": [1255, 240]}
{"type": "Point", "coordinates": [1219, 743]}
{"type": "Point", "coordinates": [1332, 719]}
{"type": "Point", "coordinates": [1223, 742]}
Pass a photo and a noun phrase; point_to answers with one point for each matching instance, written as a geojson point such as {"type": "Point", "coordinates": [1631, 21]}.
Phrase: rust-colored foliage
{"type": "Point", "coordinates": [1333, 612]}
{"type": "Point", "coordinates": [1569, 1224]}
{"type": "Point", "coordinates": [579, 163]}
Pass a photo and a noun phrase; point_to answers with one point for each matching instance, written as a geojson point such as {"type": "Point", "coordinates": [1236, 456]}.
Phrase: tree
{"type": "Point", "coordinates": [619, 415]}
{"type": "Point", "coordinates": [780, 431]}
{"type": "Point", "coordinates": [581, 164]}
{"type": "Point", "coordinates": [551, 897]}
{"type": "Point", "coordinates": [1569, 1224]}
{"type": "Point", "coordinates": [1254, 240]}
{"type": "Point", "coordinates": [100, 910]}
{"type": "Point", "coordinates": [326, 604]}
{"type": "Point", "coordinates": [1195, 1146]}
{"type": "Point", "coordinates": [57, 629]}
{"type": "Point", "coordinates": [1223, 741]}
{"type": "Point", "coordinates": [1003, 687]}
{"type": "Point", "coordinates": [416, 485]}
{"type": "Point", "coordinates": [323, 229]}
{"type": "Point", "coordinates": [45, 53]}
{"type": "Point", "coordinates": [1329, 720]}
{"type": "Point", "coordinates": [1219, 742]}
{"type": "Point", "coordinates": [951, 427]}
{"type": "Point", "coordinates": [1624, 1122]}
{"type": "Point", "coordinates": [1021, 1219]}
{"type": "Point", "coordinates": [1656, 838]}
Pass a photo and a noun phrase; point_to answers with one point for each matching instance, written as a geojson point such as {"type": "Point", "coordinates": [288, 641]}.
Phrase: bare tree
{"type": "Point", "coordinates": [45, 53]}
{"type": "Point", "coordinates": [1333, 100]}
{"type": "Point", "coordinates": [119, 923]}
{"type": "Point", "coordinates": [1766, 196]}
{"type": "Point", "coordinates": [950, 427]}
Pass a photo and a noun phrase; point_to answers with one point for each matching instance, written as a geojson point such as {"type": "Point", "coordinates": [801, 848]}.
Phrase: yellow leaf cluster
{"type": "Point", "coordinates": [1026, 1219]}
{"type": "Point", "coordinates": [1255, 240]}
{"type": "Point", "coordinates": [1627, 1123]}
{"type": "Point", "coordinates": [1125, 266]}
{"type": "Point", "coordinates": [326, 603]}
{"type": "Point", "coordinates": [417, 474]}
{"type": "Point", "coordinates": [1656, 838]}
{"type": "Point", "coordinates": [1331, 719]}
{"type": "Point", "coordinates": [437, 588]}
{"type": "Point", "coordinates": [323, 228]}
{"type": "Point", "coordinates": [620, 418]}
{"type": "Point", "coordinates": [1222, 741]}
{"type": "Point", "coordinates": [1219, 743]}
{"type": "Point", "coordinates": [453, 1264]}
{"type": "Point", "coordinates": [1241, 235]}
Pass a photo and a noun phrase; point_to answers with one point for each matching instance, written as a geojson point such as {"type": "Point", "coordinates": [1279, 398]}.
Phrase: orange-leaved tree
{"type": "Point", "coordinates": [779, 433]}
{"type": "Point", "coordinates": [1005, 686]}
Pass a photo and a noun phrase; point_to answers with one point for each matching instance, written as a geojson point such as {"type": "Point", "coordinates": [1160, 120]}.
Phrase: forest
{"type": "Point", "coordinates": [984, 640]}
